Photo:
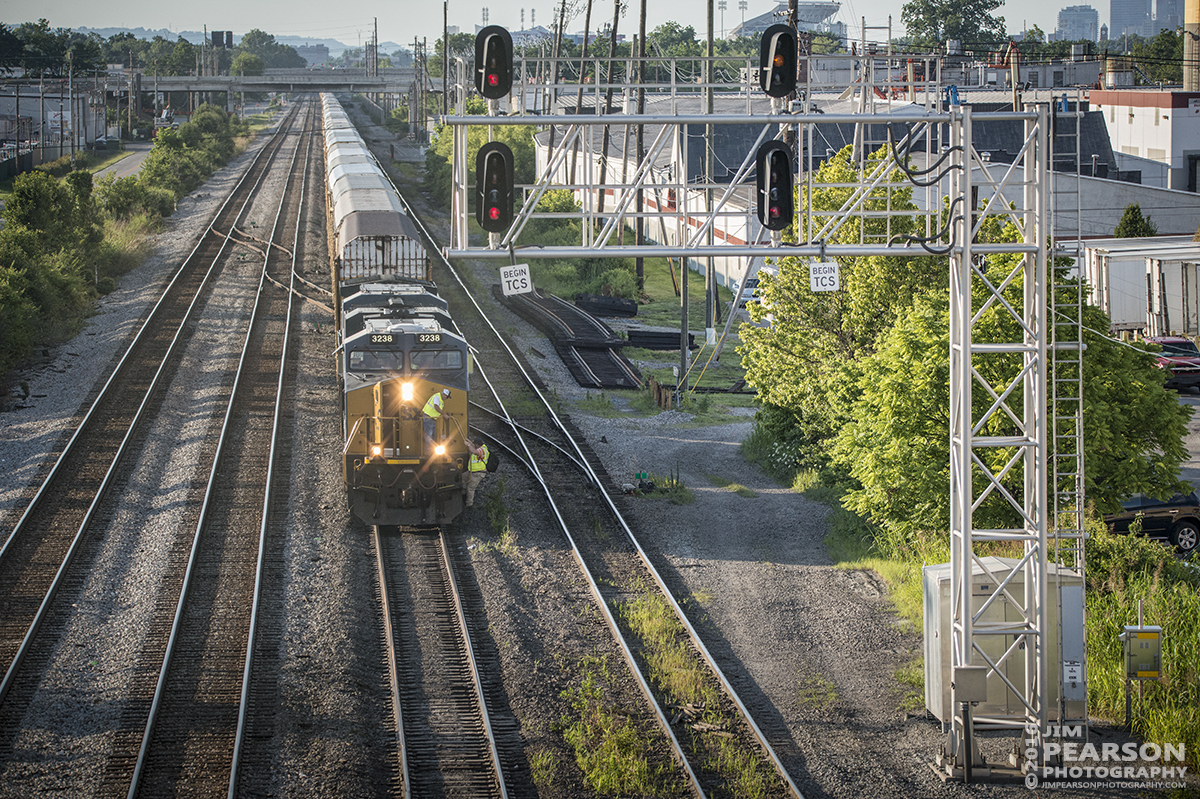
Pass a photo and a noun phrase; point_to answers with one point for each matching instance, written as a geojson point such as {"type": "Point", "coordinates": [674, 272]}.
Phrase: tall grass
{"type": "Point", "coordinates": [1123, 570]}
{"type": "Point", "coordinates": [613, 753]}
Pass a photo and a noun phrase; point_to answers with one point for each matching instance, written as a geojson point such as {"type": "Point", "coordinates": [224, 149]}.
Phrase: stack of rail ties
{"type": "Point", "coordinates": [589, 348]}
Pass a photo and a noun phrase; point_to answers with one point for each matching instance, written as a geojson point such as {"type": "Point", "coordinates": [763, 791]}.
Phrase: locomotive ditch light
{"type": "Point", "coordinates": [493, 62]}
{"type": "Point", "coordinates": [776, 202]}
{"type": "Point", "coordinates": [494, 187]}
{"type": "Point", "coordinates": [440, 449]}
{"type": "Point", "coordinates": [777, 61]}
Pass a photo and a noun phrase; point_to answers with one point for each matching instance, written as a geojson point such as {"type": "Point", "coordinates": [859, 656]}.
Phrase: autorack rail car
{"type": "Point", "coordinates": [400, 358]}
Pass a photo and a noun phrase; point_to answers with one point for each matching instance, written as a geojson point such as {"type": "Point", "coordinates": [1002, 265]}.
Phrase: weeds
{"type": "Point", "coordinates": [671, 488]}
{"type": "Point", "coordinates": [609, 748]}
{"type": "Point", "coordinates": [675, 671]}
{"type": "Point", "coordinates": [736, 488]}
{"type": "Point", "coordinates": [818, 692]}
{"type": "Point", "coordinates": [542, 768]}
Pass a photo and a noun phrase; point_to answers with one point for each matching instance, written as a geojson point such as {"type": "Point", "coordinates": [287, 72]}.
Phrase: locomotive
{"type": "Point", "coordinates": [398, 348]}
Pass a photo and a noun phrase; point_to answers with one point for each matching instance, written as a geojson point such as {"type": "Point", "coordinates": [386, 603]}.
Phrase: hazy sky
{"type": "Point", "coordinates": [402, 21]}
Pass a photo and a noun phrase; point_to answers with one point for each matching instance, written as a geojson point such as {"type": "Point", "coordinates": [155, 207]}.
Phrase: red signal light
{"type": "Point", "coordinates": [493, 79]}
{"type": "Point", "coordinates": [493, 212]}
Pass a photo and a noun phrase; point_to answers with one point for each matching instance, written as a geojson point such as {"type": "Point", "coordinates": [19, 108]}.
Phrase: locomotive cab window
{"type": "Point", "coordinates": [436, 359]}
{"type": "Point", "coordinates": [376, 361]}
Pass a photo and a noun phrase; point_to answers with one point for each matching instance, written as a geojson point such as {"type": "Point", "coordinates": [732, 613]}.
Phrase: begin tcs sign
{"type": "Point", "coordinates": [823, 276]}
{"type": "Point", "coordinates": [515, 279]}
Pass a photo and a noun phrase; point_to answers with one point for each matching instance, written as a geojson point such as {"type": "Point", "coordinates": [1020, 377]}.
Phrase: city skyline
{"type": "Point", "coordinates": [310, 19]}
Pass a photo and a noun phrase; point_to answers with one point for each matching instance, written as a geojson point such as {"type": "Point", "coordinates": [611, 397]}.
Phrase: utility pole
{"type": "Point", "coordinates": [71, 97]}
{"type": "Point", "coordinates": [445, 57]}
{"type": "Point", "coordinates": [710, 278]}
{"type": "Point", "coordinates": [640, 234]}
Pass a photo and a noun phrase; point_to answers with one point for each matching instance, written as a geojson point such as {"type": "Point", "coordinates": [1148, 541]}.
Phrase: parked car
{"type": "Point", "coordinates": [1181, 357]}
{"type": "Point", "coordinates": [1176, 520]}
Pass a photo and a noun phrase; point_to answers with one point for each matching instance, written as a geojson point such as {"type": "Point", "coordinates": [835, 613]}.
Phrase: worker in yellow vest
{"type": "Point", "coordinates": [432, 412]}
{"type": "Point", "coordinates": [476, 469]}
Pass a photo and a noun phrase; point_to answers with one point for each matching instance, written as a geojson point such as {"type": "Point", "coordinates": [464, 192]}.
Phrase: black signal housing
{"type": "Point", "coordinates": [493, 62]}
{"type": "Point", "coordinates": [494, 187]}
{"type": "Point", "coordinates": [776, 204]}
{"type": "Point", "coordinates": [777, 61]}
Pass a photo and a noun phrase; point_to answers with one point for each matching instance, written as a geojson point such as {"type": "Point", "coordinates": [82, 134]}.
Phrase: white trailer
{"type": "Point", "coordinates": [1118, 277]}
{"type": "Point", "coordinates": [1174, 295]}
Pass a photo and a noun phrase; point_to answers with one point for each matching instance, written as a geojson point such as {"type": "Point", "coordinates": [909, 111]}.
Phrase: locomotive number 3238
{"type": "Point", "coordinates": [429, 338]}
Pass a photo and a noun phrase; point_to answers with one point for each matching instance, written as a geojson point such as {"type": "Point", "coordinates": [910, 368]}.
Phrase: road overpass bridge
{"type": "Point", "coordinates": [390, 81]}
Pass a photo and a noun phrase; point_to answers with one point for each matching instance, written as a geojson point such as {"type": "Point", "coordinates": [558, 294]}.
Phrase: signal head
{"type": "Point", "coordinates": [776, 204]}
{"type": "Point", "coordinates": [777, 61]}
{"type": "Point", "coordinates": [493, 62]}
{"type": "Point", "coordinates": [494, 187]}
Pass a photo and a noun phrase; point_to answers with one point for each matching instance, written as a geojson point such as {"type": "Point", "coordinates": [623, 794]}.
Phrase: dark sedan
{"type": "Point", "coordinates": [1176, 520]}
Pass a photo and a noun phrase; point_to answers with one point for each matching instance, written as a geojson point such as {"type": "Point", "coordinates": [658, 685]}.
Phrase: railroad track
{"type": "Point", "coordinates": [41, 559]}
{"type": "Point", "coordinates": [444, 683]}
{"type": "Point", "coordinates": [201, 710]}
{"type": "Point", "coordinates": [612, 562]}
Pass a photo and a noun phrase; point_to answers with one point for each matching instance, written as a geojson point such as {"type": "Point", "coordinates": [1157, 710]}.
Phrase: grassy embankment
{"type": "Point", "coordinates": [1120, 571]}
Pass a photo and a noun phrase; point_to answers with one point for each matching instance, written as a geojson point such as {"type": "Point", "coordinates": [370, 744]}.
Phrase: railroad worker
{"type": "Point", "coordinates": [432, 412]}
{"type": "Point", "coordinates": [476, 469]}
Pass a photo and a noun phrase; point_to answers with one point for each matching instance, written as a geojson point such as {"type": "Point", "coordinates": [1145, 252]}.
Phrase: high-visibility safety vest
{"type": "Point", "coordinates": [433, 408]}
{"type": "Point", "coordinates": [478, 464]}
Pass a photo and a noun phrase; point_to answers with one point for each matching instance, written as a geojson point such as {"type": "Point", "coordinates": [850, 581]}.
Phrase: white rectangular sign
{"type": "Point", "coordinates": [515, 279]}
{"type": "Point", "coordinates": [823, 276]}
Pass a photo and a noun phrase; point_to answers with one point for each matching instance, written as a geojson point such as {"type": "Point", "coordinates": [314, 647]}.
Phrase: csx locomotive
{"type": "Point", "coordinates": [398, 347]}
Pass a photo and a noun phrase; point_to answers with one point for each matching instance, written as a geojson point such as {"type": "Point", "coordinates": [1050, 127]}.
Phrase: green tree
{"type": "Point", "coordinates": [1133, 225]}
{"type": "Point", "coordinates": [519, 138]}
{"type": "Point", "coordinates": [246, 64]}
{"type": "Point", "coordinates": [798, 362]}
{"type": "Point", "coordinates": [934, 22]}
{"type": "Point", "coordinates": [895, 443]}
{"type": "Point", "coordinates": [1161, 58]}
{"type": "Point", "coordinates": [273, 54]}
{"type": "Point", "coordinates": [12, 49]}
{"type": "Point", "coordinates": [462, 45]}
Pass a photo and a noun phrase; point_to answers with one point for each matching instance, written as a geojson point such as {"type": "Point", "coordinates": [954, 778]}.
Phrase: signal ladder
{"type": "Point", "coordinates": [1067, 536]}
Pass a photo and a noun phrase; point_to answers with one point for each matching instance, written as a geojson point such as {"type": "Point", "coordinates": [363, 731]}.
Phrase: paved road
{"type": "Point", "coordinates": [130, 164]}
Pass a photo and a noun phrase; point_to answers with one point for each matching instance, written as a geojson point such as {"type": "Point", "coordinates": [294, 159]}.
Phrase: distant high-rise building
{"type": "Point", "coordinates": [1168, 15]}
{"type": "Point", "coordinates": [1129, 18]}
{"type": "Point", "coordinates": [1079, 23]}
{"type": "Point", "coordinates": [1104, 33]}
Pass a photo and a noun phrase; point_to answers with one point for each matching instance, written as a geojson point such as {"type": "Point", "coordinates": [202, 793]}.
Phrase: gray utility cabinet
{"type": "Point", "coordinates": [1065, 670]}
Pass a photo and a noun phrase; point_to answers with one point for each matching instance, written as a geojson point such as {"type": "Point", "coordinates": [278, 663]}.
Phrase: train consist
{"type": "Point", "coordinates": [402, 365]}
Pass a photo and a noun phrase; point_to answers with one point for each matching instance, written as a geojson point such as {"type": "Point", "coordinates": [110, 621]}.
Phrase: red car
{"type": "Point", "coordinates": [1182, 357]}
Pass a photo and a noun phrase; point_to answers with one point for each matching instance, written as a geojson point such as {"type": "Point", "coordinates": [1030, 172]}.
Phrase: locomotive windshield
{"type": "Point", "coordinates": [436, 359]}
{"type": "Point", "coordinates": [376, 361]}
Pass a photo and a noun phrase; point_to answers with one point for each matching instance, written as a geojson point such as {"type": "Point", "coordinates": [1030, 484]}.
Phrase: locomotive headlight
{"type": "Point", "coordinates": [406, 392]}
{"type": "Point", "coordinates": [439, 450]}
{"type": "Point", "coordinates": [376, 451]}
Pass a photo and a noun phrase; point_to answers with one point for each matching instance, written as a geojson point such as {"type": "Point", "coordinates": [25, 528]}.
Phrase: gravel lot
{"type": "Point", "coordinates": [811, 648]}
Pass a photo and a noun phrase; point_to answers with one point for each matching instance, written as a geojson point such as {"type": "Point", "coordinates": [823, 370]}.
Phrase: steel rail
{"type": "Point", "coordinates": [389, 634]}
{"type": "Point", "coordinates": [201, 523]}
{"type": "Point", "coordinates": [43, 609]}
{"type": "Point", "coordinates": [597, 594]}
{"type": "Point", "coordinates": [658, 579]}
{"type": "Point", "coordinates": [466, 633]}
{"type": "Point", "coordinates": [239, 736]}
{"type": "Point", "coordinates": [533, 433]}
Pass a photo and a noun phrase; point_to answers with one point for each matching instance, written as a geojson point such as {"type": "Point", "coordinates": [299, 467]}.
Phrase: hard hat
{"type": "Point", "coordinates": [445, 392]}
